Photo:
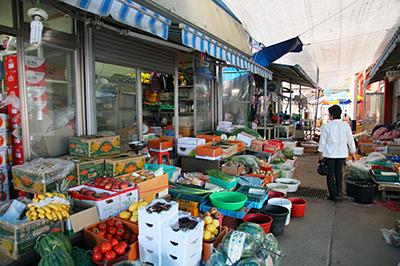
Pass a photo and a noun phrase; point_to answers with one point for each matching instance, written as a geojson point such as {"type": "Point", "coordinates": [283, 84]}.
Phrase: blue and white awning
{"type": "Point", "coordinates": [126, 12]}
{"type": "Point", "coordinates": [205, 44]}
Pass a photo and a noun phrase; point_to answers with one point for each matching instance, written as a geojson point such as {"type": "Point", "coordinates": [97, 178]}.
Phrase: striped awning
{"type": "Point", "coordinates": [205, 44]}
{"type": "Point", "coordinates": [126, 12]}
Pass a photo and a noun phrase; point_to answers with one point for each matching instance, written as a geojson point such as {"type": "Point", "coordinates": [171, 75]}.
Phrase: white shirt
{"type": "Point", "coordinates": [336, 140]}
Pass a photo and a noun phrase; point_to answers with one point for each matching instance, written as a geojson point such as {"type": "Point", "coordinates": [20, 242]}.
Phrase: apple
{"type": "Point", "coordinates": [83, 190]}
{"type": "Point", "coordinates": [115, 186]}
{"type": "Point", "coordinates": [124, 185]}
{"type": "Point", "coordinates": [108, 186]}
{"type": "Point", "coordinates": [90, 192]}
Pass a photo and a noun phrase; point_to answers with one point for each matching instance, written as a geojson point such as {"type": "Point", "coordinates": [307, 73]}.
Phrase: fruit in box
{"type": "Point", "coordinates": [50, 206]}
{"type": "Point", "coordinates": [109, 183]}
{"type": "Point", "coordinates": [132, 213]}
{"type": "Point", "coordinates": [211, 224]}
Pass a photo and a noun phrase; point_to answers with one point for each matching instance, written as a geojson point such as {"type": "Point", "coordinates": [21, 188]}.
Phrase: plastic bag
{"type": "Point", "coordinates": [271, 246]}
{"type": "Point", "coordinates": [376, 157]}
{"type": "Point", "coordinates": [358, 169]}
{"type": "Point", "coordinates": [391, 237]}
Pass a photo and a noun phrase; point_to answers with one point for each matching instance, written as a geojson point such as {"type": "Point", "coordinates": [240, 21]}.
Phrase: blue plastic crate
{"type": "Point", "coordinates": [207, 205]}
{"type": "Point", "coordinates": [256, 205]}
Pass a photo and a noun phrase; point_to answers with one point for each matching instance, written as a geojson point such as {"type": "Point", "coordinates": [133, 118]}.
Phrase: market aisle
{"type": "Point", "coordinates": [343, 234]}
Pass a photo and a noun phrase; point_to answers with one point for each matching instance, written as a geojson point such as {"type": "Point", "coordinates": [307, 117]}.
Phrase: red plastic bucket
{"type": "Point", "coordinates": [275, 194]}
{"type": "Point", "coordinates": [298, 207]}
{"type": "Point", "coordinates": [263, 220]}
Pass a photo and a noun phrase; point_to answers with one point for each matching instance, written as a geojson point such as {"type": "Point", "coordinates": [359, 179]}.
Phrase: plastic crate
{"type": "Point", "coordinates": [254, 201]}
{"type": "Point", "coordinates": [207, 205]}
{"type": "Point", "coordinates": [221, 183]}
{"type": "Point", "coordinates": [170, 170]}
{"type": "Point", "coordinates": [177, 195]}
{"type": "Point", "coordinates": [379, 176]}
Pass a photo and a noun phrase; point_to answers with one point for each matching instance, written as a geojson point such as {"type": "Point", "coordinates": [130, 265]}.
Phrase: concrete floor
{"type": "Point", "coordinates": [345, 233]}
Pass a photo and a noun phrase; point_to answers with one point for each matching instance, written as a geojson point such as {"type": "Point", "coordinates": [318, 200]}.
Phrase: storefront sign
{"type": "Point", "coordinates": [393, 75]}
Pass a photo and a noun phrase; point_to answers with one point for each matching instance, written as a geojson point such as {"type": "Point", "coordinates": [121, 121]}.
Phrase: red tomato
{"type": "Point", "coordinates": [127, 236]}
{"type": "Point", "coordinates": [119, 249]}
{"type": "Point", "coordinates": [110, 255]}
{"type": "Point", "coordinates": [114, 242]}
{"type": "Point", "coordinates": [120, 232]}
{"type": "Point", "coordinates": [119, 224]}
{"type": "Point", "coordinates": [97, 256]}
{"type": "Point", "coordinates": [102, 226]}
{"type": "Point", "coordinates": [95, 230]}
{"type": "Point", "coordinates": [112, 230]}
{"type": "Point", "coordinates": [110, 222]}
{"type": "Point", "coordinates": [123, 243]}
{"type": "Point", "coordinates": [118, 238]}
{"type": "Point", "coordinates": [109, 236]}
{"type": "Point", "coordinates": [105, 246]}
{"type": "Point", "coordinates": [101, 233]}
{"type": "Point", "coordinates": [96, 249]}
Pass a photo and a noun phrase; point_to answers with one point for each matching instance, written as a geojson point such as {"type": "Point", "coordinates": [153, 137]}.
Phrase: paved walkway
{"type": "Point", "coordinates": [345, 233]}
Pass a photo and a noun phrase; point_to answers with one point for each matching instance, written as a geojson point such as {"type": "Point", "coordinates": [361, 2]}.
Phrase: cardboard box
{"type": "Point", "coordinates": [187, 145]}
{"type": "Point", "coordinates": [55, 72]}
{"type": "Point", "coordinates": [394, 149]}
{"type": "Point", "coordinates": [42, 175]}
{"type": "Point", "coordinates": [18, 239]}
{"type": "Point", "coordinates": [160, 145]}
{"type": "Point", "coordinates": [257, 145]}
{"type": "Point", "coordinates": [52, 144]}
{"type": "Point", "coordinates": [92, 240]}
{"type": "Point", "coordinates": [107, 206]}
{"type": "Point", "coordinates": [366, 148]}
{"type": "Point", "coordinates": [95, 145]}
{"type": "Point", "coordinates": [210, 246]}
{"type": "Point", "coordinates": [209, 138]}
{"type": "Point", "coordinates": [186, 121]}
{"type": "Point", "coordinates": [123, 164]}
{"type": "Point", "coordinates": [86, 168]}
{"type": "Point", "coordinates": [233, 170]}
{"type": "Point", "coordinates": [84, 214]}
{"type": "Point", "coordinates": [228, 150]}
{"type": "Point", "coordinates": [186, 131]}
{"type": "Point", "coordinates": [209, 152]}
{"type": "Point", "coordinates": [151, 188]}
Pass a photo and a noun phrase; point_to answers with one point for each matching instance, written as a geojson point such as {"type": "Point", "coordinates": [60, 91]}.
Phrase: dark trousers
{"type": "Point", "coordinates": [335, 176]}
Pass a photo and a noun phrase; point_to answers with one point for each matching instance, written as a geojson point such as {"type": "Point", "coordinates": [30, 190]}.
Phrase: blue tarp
{"type": "Point", "coordinates": [269, 54]}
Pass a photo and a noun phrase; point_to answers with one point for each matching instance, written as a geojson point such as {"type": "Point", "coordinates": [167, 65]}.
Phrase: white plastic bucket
{"type": "Point", "coordinates": [278, 187]}
{"type": "Point", "coordinates": [293, 184]}
{"type": "Point", "coordinates": [284, 203]}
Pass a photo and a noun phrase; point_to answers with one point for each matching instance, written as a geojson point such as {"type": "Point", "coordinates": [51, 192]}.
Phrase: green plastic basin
{"type": "Point", "coordinates": [231, 201]}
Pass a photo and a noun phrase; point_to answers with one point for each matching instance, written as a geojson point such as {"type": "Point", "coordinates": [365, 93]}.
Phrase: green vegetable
{"type": "Point", "coordinates": [288, 152]}
{"type": "Point", "coordinates": [221, 175]}
{"type": "Point", "coordinates": [246, 130]}
{"type": "Point", "coordinates": [182, 189]}
{"type": "Point", "coordinates": [82, 257]}
{"type": "Point", "coordinates": [46, 243]}
{"type": "Point", "coordinates": [250, 161]}
{"type": "Point", "coordinates": [57, 257]}
{"type": "Point", "coordinates": [255, 230]}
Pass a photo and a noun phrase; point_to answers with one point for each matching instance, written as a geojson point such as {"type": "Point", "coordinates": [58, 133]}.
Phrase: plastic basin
{"type": "Point", "coordinates": [263, 220]}
{"type": "Point", "coordinates": [168, 169]}
{"type": "Point", "coordinates": [284, 203]}
{"type": "Point", "coordinates": [275, 194]}
{"type": "Point", "coordinates": [298, 207]}
{"type": "Point", "coordinates": [278, 187]}
{"type": "Point", "coordinates": [293, 184]}
{"type": "Point", "coordinates": [221, 183]}
{"type": "Point", "coordinates": [232, 201]}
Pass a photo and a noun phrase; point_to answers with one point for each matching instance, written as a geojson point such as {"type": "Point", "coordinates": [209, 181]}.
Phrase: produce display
{"type": "Point", "coordinates": [54, 249]}
{"type": "Point", "coordinates": [221, 175]}
{"type": "Point", "coordinates": [90, 194]}
{"type": "Point", "coordinates": [110, 183]}
{"type": "Point", "coordinates": [195, 179]}
{"type": "Point", "coordinates": [114, 229]}
{"type": "Point", "coordinates": [250, 161]}
{"type": "Point", "coordinates": [50, 206]}
{"type": "Point", "coordinates": [131, 214]}
{"type": "Point", "coordinates": [211, 224]}
{"type": "Point", "coordinates": [138, 176]}
{"type": "Point", "coordinates": [108, 251]}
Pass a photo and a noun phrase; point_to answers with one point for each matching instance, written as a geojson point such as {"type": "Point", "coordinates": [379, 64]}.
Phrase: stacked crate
{"type": "Point", "coordinates": [4, 182]}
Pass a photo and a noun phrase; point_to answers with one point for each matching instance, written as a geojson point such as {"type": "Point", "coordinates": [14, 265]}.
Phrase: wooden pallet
{"type": "Point", "coordinates": [392, 188]}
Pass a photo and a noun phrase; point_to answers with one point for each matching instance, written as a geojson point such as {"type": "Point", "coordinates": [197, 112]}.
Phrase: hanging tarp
{"type": "Point", "coordinates": [126, 12]}
{"type": "Point", "coordinates": [271, 53]}
{"type": "Point", "coordinates": [205, 44]}
{"type": "Point", "coordinates": [337, 98]}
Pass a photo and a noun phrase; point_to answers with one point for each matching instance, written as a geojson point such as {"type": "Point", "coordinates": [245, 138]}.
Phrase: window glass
{"type": "Point", "coordinates": [57, 19]}
{"type": "Point", "coordinates": [50, 89]}
{"type": "Point", "coordinates": [6, 13]}
{"type": "Point", "coordinates": [203, 82]}
{"type": "Point", "coordinates": [116, 101]}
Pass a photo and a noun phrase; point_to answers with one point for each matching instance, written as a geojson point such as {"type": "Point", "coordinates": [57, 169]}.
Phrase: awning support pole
{"type": "Point", "coordinates": [290, 99]}
{"type": "Point", "coordinates": [265, 107]}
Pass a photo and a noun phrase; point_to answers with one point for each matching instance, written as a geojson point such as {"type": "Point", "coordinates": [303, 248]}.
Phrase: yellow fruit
{"type": "Point", "coordinates": [216, 232]}
{"type": "Point", "coordinates": [41, 197]}
{"type": "Point", "coordinates": [134, 218]}
{"type": "Point", "coordinates": [49, 216]}
{"type": "Point", "coordinates": [213, 210]}
{"type": "Point", "coordinates": [208, 220]}
{"type": "Point", "coordinates": [215, 223]}
{"type": "Point", "coordinates": [53, 207]}
{"type": "Point", "coordinates": [59, 216]}
{"type": "Point", "coordinates": [134, 206]}
{"type": "Point", "coordinates": [207, 214]}
{"type": "Point", "coordinates": [143, 203]}
{"type": "Point", "coordinates": [124, 215]}
{"type": "Point", "coordinates": [32, 208]}
{"type": "Point", "coordinates": [48, 195]}
{"type": "Point", "coordinates": [40, 210]}
{"type": "Point", "coordinates": [207, 235]}
{"type": "Point", "coordinates": [46, 209]}
{"type": "Point", "coordinates": [41, 216]}
{"type": "Point", "coordinates": [212, 228]}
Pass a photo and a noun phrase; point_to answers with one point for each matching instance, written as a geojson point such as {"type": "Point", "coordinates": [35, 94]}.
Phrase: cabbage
{"type": "Point", "coordinates": [255, 230]}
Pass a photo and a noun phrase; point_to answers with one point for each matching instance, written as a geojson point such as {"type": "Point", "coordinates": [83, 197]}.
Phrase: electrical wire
{"type": "Point", "coordinates": [329, 17]}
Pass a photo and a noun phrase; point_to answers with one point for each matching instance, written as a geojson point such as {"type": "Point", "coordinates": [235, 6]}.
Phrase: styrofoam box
{"type": "Point", "coordinates": [148, 254]}
{"type": "Point", "coordinates": [182, 247]}
{"type": "Point", "coordinates": [150, 224]}
{"type": "Point", "coordinates": [107, 207]}
{"type": "Point", "coordinates": [246, 138]}
{"type": "Point", "coordinates": [298, 151]}
{"type": "Point", "coordinates": [290, 144]}
{"type": "Point", "coordinates": [3, 157]}
{"type": "Point", "coordinates": [186, 145]}
{"type": "Point", "coordinates": [208, 158]}
{"type": "Point", "coordinates": [127, 196]}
